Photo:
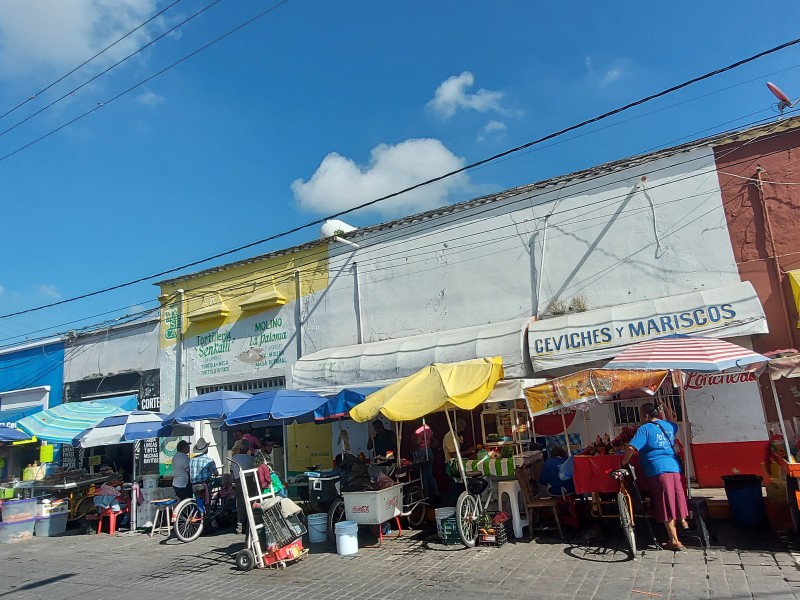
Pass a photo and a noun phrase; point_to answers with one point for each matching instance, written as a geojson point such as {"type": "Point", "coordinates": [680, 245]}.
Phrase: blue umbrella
{"type": "Point", "coordinates": [9, 434]}
{"type": "Point", "coordinates": [277, 406]}
{"type": "Point", "coordinates": [129, 427]}
{"type": "Point", "coordinates": [212, 406]}
{"type": "Point", "coordinates": [339, 406]}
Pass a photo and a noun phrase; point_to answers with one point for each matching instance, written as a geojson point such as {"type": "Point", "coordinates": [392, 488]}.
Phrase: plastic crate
{"type": "Point", "coordinates": [279, 530]}
{"type": "Point", "coordinates": [450, 535]}
{"type": "Point", "coordinates": [16, 531]}
{"type": "Point", "coordinates": [373, 507]}
{"type": "Point", "coordinates": [288, 553]}
{"type": "Point", "coordinates": [18, 510]}
{"type": "Point", "coordinates": [496, 535]}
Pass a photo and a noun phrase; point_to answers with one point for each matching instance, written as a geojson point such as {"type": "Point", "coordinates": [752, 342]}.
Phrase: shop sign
{"type": "Point", "coordinates": [696, 381]}
{"type": "Point", "coordinates": [150, 451]}
{"type": "Point", "coordinates": [151, 404]}
{"type": "Point", "coordinates": [598, 334]}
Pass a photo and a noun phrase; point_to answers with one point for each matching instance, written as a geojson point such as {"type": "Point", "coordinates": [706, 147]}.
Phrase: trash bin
{"type": "Point", "coordinates": [745, 498]}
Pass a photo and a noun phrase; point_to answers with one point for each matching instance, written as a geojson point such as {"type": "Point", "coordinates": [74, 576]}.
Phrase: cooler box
{"type": "Point", "coordinates": [52, 525]}
{"type": "Point", "coordinates": [18, 510]}
{"type": "Point", "coordinates": [16, 531]}
{"type": "Point", "coordinates": [323, 489]}
{"type": "Point", "coordinates": [373, 507]}
{"type": "Point", "coordinates": [52, 508]}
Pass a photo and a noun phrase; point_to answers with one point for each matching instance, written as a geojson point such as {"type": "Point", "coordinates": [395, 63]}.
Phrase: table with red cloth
{"type": "Point", "coordinates": [593, 473]}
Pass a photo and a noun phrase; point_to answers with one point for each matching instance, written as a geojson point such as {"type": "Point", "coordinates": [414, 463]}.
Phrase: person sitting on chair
{"type": "Point", "coordinates": [110, 495]}
{"type": "Point", "coordinates": [551, 476]}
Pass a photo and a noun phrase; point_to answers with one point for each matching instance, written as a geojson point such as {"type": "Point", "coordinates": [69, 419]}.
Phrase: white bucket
{"type": "Point", "coordinates": [443, 513]}
{"type": "Point", "coordinates": [318, 528]}
{"type": "Point", "coordinates": [346, 537]}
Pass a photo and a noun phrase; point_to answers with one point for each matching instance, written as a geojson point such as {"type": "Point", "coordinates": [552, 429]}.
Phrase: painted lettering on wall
{"type": "Point", "coordinates": [696, 381]}
{"type": "Point", "coordinates": [707, 317]}
{"type": "Point", "coordinates": [171, 323]}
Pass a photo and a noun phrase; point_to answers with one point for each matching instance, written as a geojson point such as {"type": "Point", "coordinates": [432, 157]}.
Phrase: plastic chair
{"type": "Point", "coordinates": [112, 519]}
{"type": "Point", "coordinates": [162, 521]}
{"type": "Point", "coordinates": [535, 501]}
{"type": "Point", "coordinates": [513, 490]}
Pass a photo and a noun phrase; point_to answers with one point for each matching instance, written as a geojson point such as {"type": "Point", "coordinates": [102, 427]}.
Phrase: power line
{"type": "Point", "coordinates": [88, 60]}
{"type": "Point", "coordinates": [495, 157]}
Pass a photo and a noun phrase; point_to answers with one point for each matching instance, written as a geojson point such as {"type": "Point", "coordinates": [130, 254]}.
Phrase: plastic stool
{"type": "Point", "coordinates": [112, 519]}
{"type": "Point", "coordinates": [162, 521]}
{"type": "Point", "coordinates": [513, 490]}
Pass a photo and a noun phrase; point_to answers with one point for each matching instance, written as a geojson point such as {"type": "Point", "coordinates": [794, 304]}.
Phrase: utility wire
{"type": "Point", "coordinates": [550, 136]}
{"type": "Point", "coordinates": [88, 60]}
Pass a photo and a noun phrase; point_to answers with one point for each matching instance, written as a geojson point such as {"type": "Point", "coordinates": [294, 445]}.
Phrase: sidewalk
{"type": "Point", "coordinates": [593, 565]}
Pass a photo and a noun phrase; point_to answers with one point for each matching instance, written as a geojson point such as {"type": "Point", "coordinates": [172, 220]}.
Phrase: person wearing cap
{"type": "Point", "coordinates": [202, 468]}
{"type": "Point", "coordinates": [654, 442]}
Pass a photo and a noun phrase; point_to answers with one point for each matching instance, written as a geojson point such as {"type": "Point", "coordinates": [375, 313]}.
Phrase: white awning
{"type": "Point", "coordinates": [393, 359]}
{"type": "Point", "coordinates": [596, 335]}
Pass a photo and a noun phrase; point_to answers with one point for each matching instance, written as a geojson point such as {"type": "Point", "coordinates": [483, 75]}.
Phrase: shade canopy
{"type": "Point", "coordinates": [580, 389]}
{"type": "Point", "coordinates": [464, 385]}
{"type": "Point", "coordinates": [277, 406]}
{"type": "Point", "coordinates": [129, 427]}
{"type": "Point", "coordinates": [9, 434]}
{"type": "Point", "coordinates": [687, 353]}
{"type": "Point", "coordinates": [785, 364]}
{"type": "Point", "coordinates": [340, 405]}
{"type": "Point", "coordinates": [61, 424]}
{"type": "Point", "coordinates": [213, 406]}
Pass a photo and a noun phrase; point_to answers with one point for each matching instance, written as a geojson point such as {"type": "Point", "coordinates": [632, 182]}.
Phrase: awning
{"type": "Point", "coordinates": [389, 360]}
{"type": "Point", "coordinates": [598, 335]}
{"type": "Point", "coordinates": [794, 279]}
{"type": "Point", "coordinates": [9, 417]}
{"type": "Point", "coordinates": [62, 423]}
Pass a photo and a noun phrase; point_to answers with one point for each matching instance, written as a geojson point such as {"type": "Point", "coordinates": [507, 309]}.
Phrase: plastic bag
{"type": "Point", "coordinates": [566, 469]}
{"type": "Point", "coordinates": [383, 481]}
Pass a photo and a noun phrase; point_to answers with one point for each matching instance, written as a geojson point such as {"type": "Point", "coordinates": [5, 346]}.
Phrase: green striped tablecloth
{"type": "Point", "coordinates": [494, 467]}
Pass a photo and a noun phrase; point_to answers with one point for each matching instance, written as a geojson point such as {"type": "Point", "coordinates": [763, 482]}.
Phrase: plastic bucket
{"type": "Point", "coordinates": [318, 528]}
{"type": "Point", "coordinates": [346, 537]}
{"type": "Point", "coordinates": [745, 498]}
{"type": "Point", "coordinates": [442, 513]}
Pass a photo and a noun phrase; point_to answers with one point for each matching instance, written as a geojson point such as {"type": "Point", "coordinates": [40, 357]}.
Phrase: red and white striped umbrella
{"type": "Point", "coordinates": [687, 353]}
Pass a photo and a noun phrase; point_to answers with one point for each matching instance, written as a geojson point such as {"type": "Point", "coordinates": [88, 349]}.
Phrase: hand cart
{"type": "Point", "coordinates": [282, 536]}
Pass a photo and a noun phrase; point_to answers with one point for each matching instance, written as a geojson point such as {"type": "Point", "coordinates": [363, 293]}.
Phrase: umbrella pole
{"type": "Point", "coordinates": [566, 435]}
{"type": "Point", "coordinates": [686, 443]}
{"type": "Point", "coordinates": [780, 419]}
{"type": "Point", "coordinates": [398, 437]}
{"type": "Point", "coordinates": [458, 449]}
{"type": "Point", "coordinates": [285, 451]}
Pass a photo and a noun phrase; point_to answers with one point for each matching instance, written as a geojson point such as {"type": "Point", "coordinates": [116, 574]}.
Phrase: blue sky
{"type": "Point", "coordinates": [319, 106]}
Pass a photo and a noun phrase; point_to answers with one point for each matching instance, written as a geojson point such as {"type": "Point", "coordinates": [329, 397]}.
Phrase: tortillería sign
{"type": "Point", "coordinates": [598, 334]}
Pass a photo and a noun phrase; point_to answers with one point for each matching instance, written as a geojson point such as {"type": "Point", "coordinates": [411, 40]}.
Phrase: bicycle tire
{"type": "Point", "coordinates": [189, 520]}
{"type": "Point", "coordinates": [415, 498]}
{"type": "Point", "coordinates": [335, 515]}
{"type": "Point", "coordinates": [626, 520]}
{"type": "Point", "coordinates": [467, 515]}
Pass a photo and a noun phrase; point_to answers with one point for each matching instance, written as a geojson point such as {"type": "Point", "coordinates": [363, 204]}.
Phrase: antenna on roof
{"type": "Point", "coordinates": [783, 99]}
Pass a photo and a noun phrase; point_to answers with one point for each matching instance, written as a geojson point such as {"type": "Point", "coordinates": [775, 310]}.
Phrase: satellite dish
{"type": "Point", "coordinates": [783, 99]}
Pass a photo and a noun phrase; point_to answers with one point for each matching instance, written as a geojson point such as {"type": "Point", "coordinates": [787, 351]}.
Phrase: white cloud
{"type": "Point", "coordinates": [339, 183]}
{"type": "Point", "coordinates": [612, 75]}
{"type": "Point", "coordinates": [452, 95]}
{"type": "Point", "coordinates": [149, 98]}
{"type": "Point", "coordinates": [492, 127]}
{"type": "Point", "coordinates": [616, 71]}
{"type": "Point", "coordinates": [56, 35]}
{"type": "Point", "coordinates": [48, 291]}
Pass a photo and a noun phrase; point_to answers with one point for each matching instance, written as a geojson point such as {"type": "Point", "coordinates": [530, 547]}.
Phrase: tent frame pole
{"type": "Point", "coordinates": [687, 450]}
{"type": "Point", "coordinates": [458, 449]}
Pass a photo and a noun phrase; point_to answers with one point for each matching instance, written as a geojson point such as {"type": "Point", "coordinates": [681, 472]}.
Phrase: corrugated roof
{"type": "Point", "coordinates": [603, 169]}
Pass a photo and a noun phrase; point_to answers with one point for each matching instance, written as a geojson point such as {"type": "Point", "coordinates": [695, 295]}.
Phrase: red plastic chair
{"type": "Point", "coordinates": [112, 519]}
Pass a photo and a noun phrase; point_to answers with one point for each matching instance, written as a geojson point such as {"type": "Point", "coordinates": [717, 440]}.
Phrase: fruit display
{"type": "Point", "coordinates": [604, 445]}
{"type": "Point", "coordinates": [60, 475]}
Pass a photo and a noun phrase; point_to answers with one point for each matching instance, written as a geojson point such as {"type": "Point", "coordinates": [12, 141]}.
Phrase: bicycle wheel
{"type": "Point", "coordinates": [335, 514]}
{"type": "Point", "coordinates": [414, 504]}
{"type": "Point", "coordinates": [626, 520]}
{"type": "Point", "coordinates": [188, 520]}
{"type": "Point", "coordinates": [467, 514]}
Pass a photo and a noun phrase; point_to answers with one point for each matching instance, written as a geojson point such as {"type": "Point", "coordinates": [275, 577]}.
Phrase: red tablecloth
{"type": "Point", "coordinates": [593, 473]}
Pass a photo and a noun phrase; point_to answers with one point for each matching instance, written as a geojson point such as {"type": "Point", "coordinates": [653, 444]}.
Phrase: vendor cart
{"type": "Point", "coordinates": [79, 494]}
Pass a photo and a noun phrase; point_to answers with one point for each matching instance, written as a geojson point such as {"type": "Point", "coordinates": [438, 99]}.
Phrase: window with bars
{"type": "Point", "coordinates": [629, 414]}
{"type": "Point", "coordinates": [254, 386]}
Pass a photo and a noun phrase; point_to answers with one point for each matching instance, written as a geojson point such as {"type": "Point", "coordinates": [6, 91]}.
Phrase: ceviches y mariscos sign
{"type": "Point", "coordinates": [597, 334]}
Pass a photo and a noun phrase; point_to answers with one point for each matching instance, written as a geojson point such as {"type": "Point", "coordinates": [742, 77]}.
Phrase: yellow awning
{"type": "Point", "coordinates": [462, 385]}
{"type": "Point", "coordinates": [794, 279]}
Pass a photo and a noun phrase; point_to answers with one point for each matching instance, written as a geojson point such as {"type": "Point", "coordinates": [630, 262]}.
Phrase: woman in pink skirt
{"type": "Point", "coordinates": [654, 442]}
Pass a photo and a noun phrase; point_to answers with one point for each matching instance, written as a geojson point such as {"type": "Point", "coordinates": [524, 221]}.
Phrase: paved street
{"type": "Point", "coordinates": [589, 566]}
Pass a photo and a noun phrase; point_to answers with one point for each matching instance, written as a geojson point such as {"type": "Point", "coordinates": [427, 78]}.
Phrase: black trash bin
{"type": "Point", "coordinates": [745, 498]}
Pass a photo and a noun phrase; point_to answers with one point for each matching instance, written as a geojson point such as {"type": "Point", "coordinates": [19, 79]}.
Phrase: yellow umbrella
{"type": "Point", "coordinates": [462, 385]}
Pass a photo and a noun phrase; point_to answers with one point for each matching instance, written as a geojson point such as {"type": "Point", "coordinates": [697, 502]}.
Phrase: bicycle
{"type": "Point", "coordinates": [471, 508]}
{"type": "Point", "coordinates": [627, 482]}
{"type": "Point", "coordinates": [191, 516]}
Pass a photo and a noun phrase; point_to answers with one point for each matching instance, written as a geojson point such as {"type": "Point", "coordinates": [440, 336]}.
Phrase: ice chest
{"type": "Point", "coordinates": [323, 489]}
{"type": "Point", "coordinates": [16, 531]}
{"type": "Point", "coordinates": [373, 507]}
{"type": "Point", "coordinates": [52, 525]}
{"type": "Point", "coordinates": [18, 510]}
{"type": "Point", "coordinates": [45, 509]}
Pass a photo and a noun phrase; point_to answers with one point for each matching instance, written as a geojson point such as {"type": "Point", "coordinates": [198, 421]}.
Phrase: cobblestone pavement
{"type": "Point", "coordinates": [592, 565]}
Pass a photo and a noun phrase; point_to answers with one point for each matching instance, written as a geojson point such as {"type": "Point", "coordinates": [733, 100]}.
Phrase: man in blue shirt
{"type": "Point", "coordinates": [551, 476]}
{"type": "Point", "coordinates": [654, 443]}
{"type": "Point", "coordinates": [202, 468]}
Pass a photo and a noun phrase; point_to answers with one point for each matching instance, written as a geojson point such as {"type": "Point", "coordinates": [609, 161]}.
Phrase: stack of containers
{"type": "Point", "coordinates": [19, 520]}
{"type": "Point", "coordinates": [51, 518]}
